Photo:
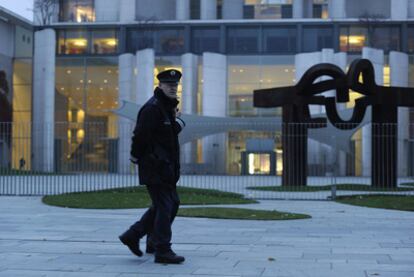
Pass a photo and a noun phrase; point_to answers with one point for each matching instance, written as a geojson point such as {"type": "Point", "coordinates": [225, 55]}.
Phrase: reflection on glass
{"type": "Point", "coordinates": [169, 41]}
{"type": "Point", "coordinates": [247, 73]}
{"type": "Point", "coordinates": [76, 11]}
{"type": "Point", "coordinates": [279, 40]}
{"type": "Point", "coordinates": [242, 40]}
{"type": "Point", "coordinates": [104, 42]}
{"type": "Point", "coordinates": [352, 39]}
{"type": "Point", "coordinates": [320, 9]}
{"type": "Point", "coordinates": [74, 42]}
{"type": "Point", "coordinates": [267, 9]}
{"type": "Point", "coordinates": [317, 38]}
{"type": "Point", "coordinates": [410, 39]}
{"type": "Point", "coordinates": [205, 40]}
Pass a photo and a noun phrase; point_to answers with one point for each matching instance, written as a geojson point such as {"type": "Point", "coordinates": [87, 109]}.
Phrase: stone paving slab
{"type": "Point", "coordinates": [339, 240]}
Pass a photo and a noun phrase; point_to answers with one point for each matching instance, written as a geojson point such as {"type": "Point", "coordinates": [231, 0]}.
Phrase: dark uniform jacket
{"type": "Point", "coordinates": [155, 142]}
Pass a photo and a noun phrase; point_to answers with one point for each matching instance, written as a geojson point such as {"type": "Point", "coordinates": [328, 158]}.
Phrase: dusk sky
{"type": "Point", "coordinates": [21, 7]}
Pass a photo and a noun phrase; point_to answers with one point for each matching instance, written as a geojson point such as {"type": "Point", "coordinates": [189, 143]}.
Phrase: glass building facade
{"type": "Point", "coordinates": [259, 39]}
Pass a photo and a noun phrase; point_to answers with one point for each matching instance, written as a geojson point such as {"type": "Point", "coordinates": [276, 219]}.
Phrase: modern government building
{"type": "Point", "coordinates": [67, 71]}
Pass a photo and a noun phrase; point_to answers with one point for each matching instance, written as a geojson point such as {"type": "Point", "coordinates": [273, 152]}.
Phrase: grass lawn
{"type": "Point", "coordinates": [234, 213]}
{"type": "Point", "coordinates": [354, 187]}
{"type": "Point", "coordinates": [393, 202]}
{"type": "Point", "coordinates": [411, 184]}
{"type": "Point", "coordinates": [17, 172]}
{"type": "Point", "coordinates": [137, 197]}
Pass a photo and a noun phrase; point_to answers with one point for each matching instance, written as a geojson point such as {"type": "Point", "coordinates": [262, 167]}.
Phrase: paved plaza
{"type": "Point", "coordinates": [339, 240]}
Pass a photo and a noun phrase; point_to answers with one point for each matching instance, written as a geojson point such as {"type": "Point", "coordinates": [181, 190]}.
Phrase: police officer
{"type": "Point", "coordinates": [155, 149]}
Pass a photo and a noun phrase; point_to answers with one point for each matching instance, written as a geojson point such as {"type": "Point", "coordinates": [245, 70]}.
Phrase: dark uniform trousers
{"type": "Point", "coordinates": [157, 220]}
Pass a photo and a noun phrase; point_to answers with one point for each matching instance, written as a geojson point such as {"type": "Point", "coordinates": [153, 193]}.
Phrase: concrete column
{"type": "Point", "coordinates": [399, 9]}
{"type": "Point", "coordinates": [127, 9]}
{"type": "Point", "coordinates": [145, 75]}
{"type": "Point", "coordinates": [298, 9]}
{"type": "Point", "coordinates": [233, 9]}
{"type": "Point", "coordinates": [214, 103]}
{"type": "Point", "coordinates": [337, 9]}
{"type": "Point", "coordinates": [182, 9]}
{"type": "Point", "coordinates": [189, 101]}
{"type": "Point", "coordinates": [125, 126]}
{"type": "Point", "coordinates": [307, 8]}
{"type": "Point", "coordinates": [208, 10]}
{"type": "Point", "coordinates": [44, 100]}
{"type": "Point", "coordinates": [376, 56]}
{"type": "Point", "coordinates": [399, 66]}
{"type": "Point", "coordinates": [107, 10]}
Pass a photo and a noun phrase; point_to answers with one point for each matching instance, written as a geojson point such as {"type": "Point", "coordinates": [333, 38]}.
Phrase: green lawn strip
{"type": "Point", "coordinates": [393, 202]}
{"type": "Point", "coordinates": [17, 172]}
{"type": "Point", "coordinates": [411, 184]}
{"type": "Point", "coordinates": [137, 197]}
{"type": "Point", "coordinates": [236, 213]}
{"type": "Point", "coordinates": [353, 187]}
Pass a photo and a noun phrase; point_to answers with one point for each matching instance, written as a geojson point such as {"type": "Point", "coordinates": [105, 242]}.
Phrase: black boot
{"type": "Point", "coordinates": [150, 249]}
{"type": "Point", "coordinates": [168, 257]}
{"type": "Point", "coordinates": [130, 239]}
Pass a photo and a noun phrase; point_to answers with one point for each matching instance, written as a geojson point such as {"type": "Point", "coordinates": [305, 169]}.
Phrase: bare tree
{"type": "Point", "coordinates": [44, 10]}
{"type": "Point", "coordinates": [371, 22]}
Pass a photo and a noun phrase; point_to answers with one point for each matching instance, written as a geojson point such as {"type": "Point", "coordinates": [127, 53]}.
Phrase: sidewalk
{"type": "Point", "coordinates": [339, 240]}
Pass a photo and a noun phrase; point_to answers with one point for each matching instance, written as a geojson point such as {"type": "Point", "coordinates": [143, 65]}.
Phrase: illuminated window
{"type": "Point", "coordinates": [352, 39]}
{"type": "Point", "coordinates": [320, 9]}
{"type": "Point", "coordinates": [104, 42]}
{"type": "Point", "coordinates": [76, 11]}
{"type": "Point", "coordinates": [73, 42]}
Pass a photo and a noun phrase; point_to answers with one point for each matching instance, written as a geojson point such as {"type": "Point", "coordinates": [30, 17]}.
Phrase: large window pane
{"type": "Point", "coordinates": [22, 110]}
{"type": "Point", "coordinates": [140, 39]}
{"type": "Point", "coordinates": [242, 40]}
{"type": "Point", "coordinates": [386, 38]}
{"type": "Point", "coordinates": [247, 73]}
{"type": "Point", "coordinates": [316, 38]}
{"type": "Point", "coordinates": [268, 9]}
{"type": "Point", "coordinates": [169, 41]}
{"type": "Point", "coordinates": [353, 38]}
{"type": "Point", "coordinates": [86, 92]}
{"type": "Point", "coordinates": [320, 9]}
{"type": "Point", "coordinates": [279, 40]}
{"type": "Point", "coordinates": [104, 42]}
{"type": "Point", "coordinates": [73, 42]}
{"type": "Point", "coordinates": [76, 11]}
{"type": "Point", "coordinates": [164, 41]}
{"type": "Point", "coordinates": [205, 39]}
{"type": "Point", "coordinates": [410, 39]}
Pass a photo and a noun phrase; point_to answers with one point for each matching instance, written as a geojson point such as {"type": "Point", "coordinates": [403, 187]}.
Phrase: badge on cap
{"type": "Point", "coordinates": [172, 73]}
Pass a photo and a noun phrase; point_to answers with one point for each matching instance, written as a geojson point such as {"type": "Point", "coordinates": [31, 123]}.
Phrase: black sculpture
{"type": "Point", "coordinates": [295, 101]}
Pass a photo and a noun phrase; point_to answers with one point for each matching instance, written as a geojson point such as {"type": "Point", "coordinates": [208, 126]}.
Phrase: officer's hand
{"type": "Point", "coordinates": [177, 113]}
{"type": "Point", "coordinates": [133, 160]}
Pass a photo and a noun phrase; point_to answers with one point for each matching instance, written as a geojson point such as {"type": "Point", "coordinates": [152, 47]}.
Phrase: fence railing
{"type": "Point", "coordinates": [294, 161]}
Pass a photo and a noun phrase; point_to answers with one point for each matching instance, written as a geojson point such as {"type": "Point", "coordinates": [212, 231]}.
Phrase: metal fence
{"type": "Point", "coordinates": [258, 160]}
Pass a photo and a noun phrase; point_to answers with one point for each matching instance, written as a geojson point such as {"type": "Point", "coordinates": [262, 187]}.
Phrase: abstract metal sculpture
{"type": "Point", "coordinates": [295, 101]}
